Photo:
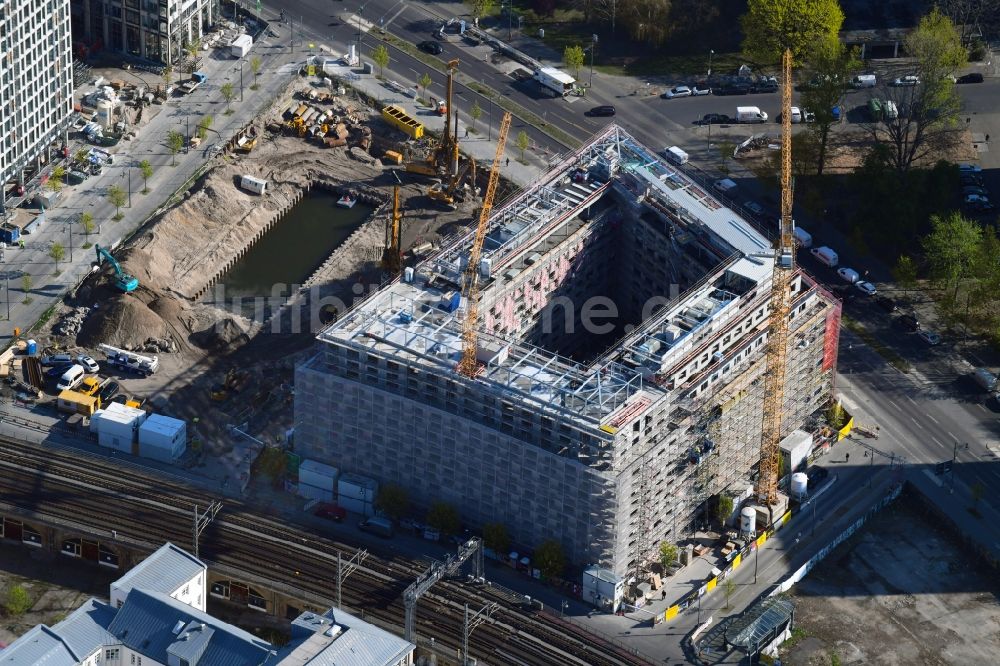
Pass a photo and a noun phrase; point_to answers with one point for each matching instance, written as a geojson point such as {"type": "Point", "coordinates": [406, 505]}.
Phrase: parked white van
{"type": "Point", "coordinates": [802, 237]}
{"type": "Point", "coordinates": [71, 378]}
{"type": "Point", "coordinates": [826, 256]}
{"type": "Point", "coordinates": [676, 155]}
{"type": "Point", "coordinates": [863, 81]}
{"type": "Point", "coordinates": [252, 184]}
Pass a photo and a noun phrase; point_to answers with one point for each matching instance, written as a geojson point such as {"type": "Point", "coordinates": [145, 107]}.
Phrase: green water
{"type": "Point", "coordinates": [294, 247]}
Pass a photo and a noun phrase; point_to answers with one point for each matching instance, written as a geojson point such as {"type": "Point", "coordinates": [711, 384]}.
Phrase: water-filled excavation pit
{"type": "Point", "coordinates": [293, 249]}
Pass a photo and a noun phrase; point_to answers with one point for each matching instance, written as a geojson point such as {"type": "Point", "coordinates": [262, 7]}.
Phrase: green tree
{"type": "Point", "coordinates": [724, 508]}
{"type": "Point", "coordinates": [927, 113]}
{"type": "Point", "coordinates": [255, 65]}
{"type": "Point", "coordinates": [951, 249]}
{"type": "Point", "coordinates": [523, 141]}
{"type": "Point", "coordinates": [481, 8]}
{"type": "Point", "coordinates": [496, 538]}
{"type": "Point", "coordinates": [168, 74]}
{"type": "Point", "coordinates": [87, 222]}
{"type": "Point", "coordinates": [444, 518]}
{"type": "Point", "coordinates": [56, 179]}
{"type": "Point", "coordinates": [977, 490]}
{"type": "Point", "coordinates": [175, 141]}
{"type": "Point", "coordinates": [26, 283]}
{"type": "Point", "coordinates": [830, 65]}
{"type": "Point", "coordinates": [57, 252]}
{"type": "Point", "coordinates": [573, 57]}
{"type": "Point", "coordinates": [117, 198]}
{"type": "Point", "coordinates": [476, 112]}
{"type": "Point", "coordinates": [393, 500]}
{"type": "Point", "coordinates": [18, 602]}
{"type": "Point", "coordinates": [647, 21]}
{"type": "Point", "coordinates": [905, 273]}
{"type": "Point", "coordinates": [725, 149]}
{"type": "Point", "coordinates": [203, 126]}
{"type": "Point", "coordinates": [82, 156]}
{"type": "Point", "coordinates": [146, 169]}
{"type": "Point", "coordinates": [668, 555]}
{"type": "Point", "coordinates": [425, 81]}
{"type": "Point", "coordinates": [550, 559]}
{"type": "Point", "coordinates": [729, 586]}
{"type": "Point", "coordinates": [192, 49]}
{"type": "Point", "coordinates": [380, 54]}
{"type": "Point", "coordinates": [228, 93]}
{"type": "Point", "coordinates": [771, 26]}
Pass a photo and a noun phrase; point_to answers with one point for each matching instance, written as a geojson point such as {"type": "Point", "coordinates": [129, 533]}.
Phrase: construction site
{"type": "Point", "coordinates": [592, 364]}
{"type": "Point", "coordinates": [227, 284]}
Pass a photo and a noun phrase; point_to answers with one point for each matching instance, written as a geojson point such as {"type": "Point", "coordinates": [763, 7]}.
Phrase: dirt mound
{"type": "Point", "coordinates": [153, 267]}
{"type": "Point", "coordinates": [125, 322]}
{"type": "Point", "coordinates": [225, 334]}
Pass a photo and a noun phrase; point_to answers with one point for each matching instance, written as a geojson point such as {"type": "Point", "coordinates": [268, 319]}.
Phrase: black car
{"type": "Point", "coordinates": [732, 89]}
{"type": "Point", "coordinates": [971, 179]}
{"type": "Point", "coordinates": [430, 47]}
{"type": "Point", "coordinates": [816, 475]}
{"type": "Point", "coordinates": [109, 391]}
{"type": "Point", "coordinates": [908, 322]}
{"type": "Point", "coordinates": [606, 110]}
{"type": "Point", "coordinates": [886, 303]}
{"type": "Point", "coordinates": [974, 77]}
{"type": "Point", "coordinates": [714, 119]}
{"type": "Point", "coordinates": [58, 370]}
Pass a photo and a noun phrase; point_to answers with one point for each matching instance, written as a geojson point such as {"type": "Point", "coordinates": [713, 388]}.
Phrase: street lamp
{"type": "Point", "coordinates": [593, 47]}
{"type": "Point", "coordinates": [711, 52]}
{"type": "Point", "coordinates": [361, 11]}
{"type": "Point", "coordinates": [241, 79]}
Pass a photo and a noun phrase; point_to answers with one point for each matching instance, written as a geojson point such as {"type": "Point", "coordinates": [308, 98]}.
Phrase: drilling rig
{"type": "Point", "coordinates": [469, 365]}
{"type": "Point", "coordinates": [781, 279]}
{"type": "Point", "coordinates": [392, 260]}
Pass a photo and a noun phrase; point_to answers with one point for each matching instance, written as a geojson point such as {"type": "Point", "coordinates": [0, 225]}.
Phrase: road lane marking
{"type": "Point", "coordinates": [935, 479]}
{"type": "Point", "coordinates": [933, 419]}
{"type": "Point", "coordinates": [936, 440]}
{"type": "Point", "coordinates": [892, 403]}
{"type": "Point", "coordinates": [954, 437]}
{"type": "Point", "coordinates": [912, 401]}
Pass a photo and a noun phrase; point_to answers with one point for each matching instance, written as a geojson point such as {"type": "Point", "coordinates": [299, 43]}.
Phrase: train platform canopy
{"type": "Point", "coordinates": [760, 624]}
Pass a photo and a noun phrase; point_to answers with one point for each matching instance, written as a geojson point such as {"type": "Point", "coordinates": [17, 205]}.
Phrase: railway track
{"type": "Point", "coordinates": [98, 492]}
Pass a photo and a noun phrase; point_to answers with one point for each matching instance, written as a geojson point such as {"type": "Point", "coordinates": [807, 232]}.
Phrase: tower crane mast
{"type": "Point", "coordinates": [781, 279]}
{"type": "Point", "coordinates": [469, 366]}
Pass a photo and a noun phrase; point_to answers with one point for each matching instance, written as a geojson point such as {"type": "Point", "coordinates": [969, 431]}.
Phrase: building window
{"type": "Point", "coordinates": [110, 653]}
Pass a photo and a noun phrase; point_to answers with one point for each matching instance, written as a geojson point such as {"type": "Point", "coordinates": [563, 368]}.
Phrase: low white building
{"type": "Point", "coordinates": [157, 618]}
{"type": "Point", "coordinates": [170, 571]}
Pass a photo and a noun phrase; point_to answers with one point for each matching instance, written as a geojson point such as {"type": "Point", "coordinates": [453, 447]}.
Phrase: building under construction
{"type": "Point", "coordinates": [622, 350]}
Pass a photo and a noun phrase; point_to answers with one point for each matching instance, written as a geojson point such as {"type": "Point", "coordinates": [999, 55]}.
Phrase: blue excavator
{"type": "Point", "coordinates": [125, 282]}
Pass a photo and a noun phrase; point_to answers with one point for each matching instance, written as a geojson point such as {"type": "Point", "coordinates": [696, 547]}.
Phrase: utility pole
{"type": "Point", "coordinates": [593, 47]}
{"type": "Point", "coordinates": [954, 456]}
{"type": "Point", "coordinates": [473, 621]}
{"type": "Point", "coordinates": [241, 79]}
{"type": "Point", "coordinates": [202, 521]}
{"type": "Point", "coordinates": [345, 569]}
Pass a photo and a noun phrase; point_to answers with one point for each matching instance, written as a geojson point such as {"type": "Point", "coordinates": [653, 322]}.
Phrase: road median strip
{"type": "Point", "coordinates": [890, 356]}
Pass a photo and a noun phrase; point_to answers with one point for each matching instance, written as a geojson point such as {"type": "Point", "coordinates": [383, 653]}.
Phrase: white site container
{"type": "Point", "coordinates": [162, 438]}
{"type": "Point", "coordinates": [118, 426]}
{"type": "Point", "coordinates": [357, 487]}
{"type": "Point", "coordinates": [356, 506]}
{"type": "Point", "coordinates": [314, 473]}
{"type": "Point", "coordinates": [95, 421]}
{"type": "Point", "coordinates": [312, 492]}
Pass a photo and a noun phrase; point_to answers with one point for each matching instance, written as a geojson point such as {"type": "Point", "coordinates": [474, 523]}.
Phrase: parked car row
{"type": "Point", "coordinates": [975, 196]}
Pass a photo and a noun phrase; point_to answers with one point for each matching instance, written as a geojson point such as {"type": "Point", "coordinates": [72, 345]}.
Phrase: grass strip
{"type": "Point", "coordinates": [890, 356]}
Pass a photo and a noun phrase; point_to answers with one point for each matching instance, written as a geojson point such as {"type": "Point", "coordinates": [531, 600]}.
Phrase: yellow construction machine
{"type": "Point", "coordinates": [448, 194]}
{"type": "Point", "coordinates": [443, 159]}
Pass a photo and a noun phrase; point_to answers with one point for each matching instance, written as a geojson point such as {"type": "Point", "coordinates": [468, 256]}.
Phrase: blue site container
{"type": "Point", "coordinates": [32, 347]}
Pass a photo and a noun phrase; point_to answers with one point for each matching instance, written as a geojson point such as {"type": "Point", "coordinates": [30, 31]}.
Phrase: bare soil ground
{"type": "Point", "coordinates": [176, 254]}
{"type": "Point", "coordinates": [902, 592]}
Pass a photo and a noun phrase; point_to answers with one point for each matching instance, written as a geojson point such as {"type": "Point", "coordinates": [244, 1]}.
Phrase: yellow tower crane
{"type": "Point", "coordinates": [469, 366]}
{"type": "Point", "coordinates": [392, 259]}
{"type": "Point", "coordinates": [777, 343]}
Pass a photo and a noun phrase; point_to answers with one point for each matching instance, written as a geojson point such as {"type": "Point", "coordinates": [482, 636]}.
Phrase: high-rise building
{"type": "Point", "coordinates": [36, 85]}
{"type": "Point", "coordinates": [153, 29]}
{"type": "Point", "coordinates": [624, 321]}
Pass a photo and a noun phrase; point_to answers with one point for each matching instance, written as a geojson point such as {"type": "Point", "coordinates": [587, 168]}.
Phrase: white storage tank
{"type": "Point", "coordinates": [748, 520]}
{"type": "Point", "coordinates": [105, 113]}
{"type": "Point", "coordinates": [800, 485]}
{"type": "Point", "coordinates": [354, 486]}
{"type": "Point", "coordinates": [118, 427]}
{"type": "Point", "coordinates": [162, 438]}
{"type": "Point", "coordinates": [314, 473]}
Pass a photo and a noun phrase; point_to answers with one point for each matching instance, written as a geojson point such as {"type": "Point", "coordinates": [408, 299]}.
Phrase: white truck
{"type": "Point", "coordinates": [750, 114]}
{"type": "Point", "coordinates": [555, 80]}
{"type": "Point", "coordinates": [241, 46]}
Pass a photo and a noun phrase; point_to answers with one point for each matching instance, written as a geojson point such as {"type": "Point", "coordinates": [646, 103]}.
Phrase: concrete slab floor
{"type": "Point", "coordinates": [902, 591]}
